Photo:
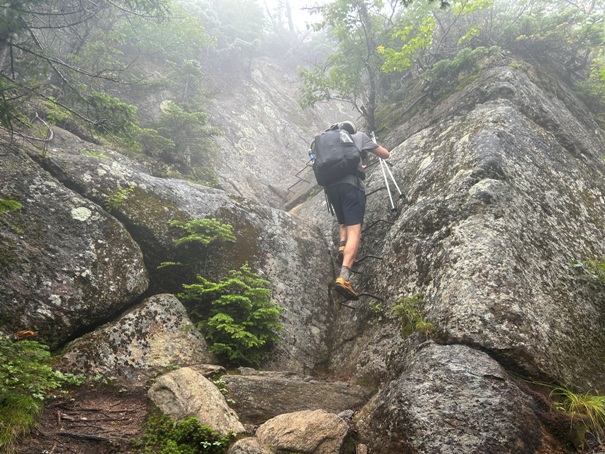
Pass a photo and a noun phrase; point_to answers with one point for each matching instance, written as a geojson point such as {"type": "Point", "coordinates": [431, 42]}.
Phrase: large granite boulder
{"type": "Point", "coordinates": [66, 265]}
{"type": "Point", "coordinates": [186, 393]}
{"type": "Point", "coordinates": [264, 146]}
{"type": "Point", "coordinates": [155, 335]}
{"type": "Point", "coordinates": [262, 395]}
{"type": "Point", "coordinates": [453, 399]}
{"type": "Point", "coordinates": [283, 249]}
{"type": "Point", "coordinates": [307, 432]}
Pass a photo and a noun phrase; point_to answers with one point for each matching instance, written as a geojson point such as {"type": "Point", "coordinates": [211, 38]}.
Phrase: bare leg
{"type": "Point", "coordinates": [343, 234]}
{"type": "Point", "coordinates": [343, 286]}
{"type": "Point", "coordinates": [353, 237]}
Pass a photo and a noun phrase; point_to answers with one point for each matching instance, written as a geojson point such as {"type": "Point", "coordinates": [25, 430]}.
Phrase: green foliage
{"type": "Point", "coordinates": [410, 310]}
{"type": "Point", "coordinates": [115, 200]}
{"type": "Point", "coordinates": [111, 114]}
{"type": "Point", "coordinates": [592, 89]}
{"type": "Point", "coordinates": [181, 138]}
{"type": "Point", "coordinates": [351, 72]}
{"type": "Point", "coordinates": [101, 53]}
{"type": "Point", "coordinates": [9, 106]}
{"type": "Point", "coordinates": [439, 44]}
{"type": "Point", "coordinates": [595, 269]}
{"type": "Point", "coordinates": [175, 40]}
{"type": "Point", "coordinates": [220, 384]}
{"type": "Point", "coordinates": [165, 436]}
{"type": "Point", "coordinates": [6, 206]}
{"type": "Point", "coordinates": [205, 176]}
{"type": "Point", "coordinates": [567, 34]}
{"type": "Point", "coordinates": [430, 34]}
{"type": "Point", "coordinates": [203, 231]}
{"type": "Point", "coordinates": [199, 233]}
{"type": "Point", "coordinates": [56, 114]}
{"type": "Point", "coordinates": [187, 86]}
{"type": "Point", "coordinates": [68, 49]}
{"type": "Point", "coordinates": [317, 86]}
{"type": "Point", "coordinates": [153, 143]}
{"type": "Point", "coordinates": [586, 411]}
{"type": "Point", "coordinates": [236, 315]}
{"type": "Point", "coordinates": [25, 377]}
{"type": "Point", "coordinates": [167, 264]}
{"type": "Point", "coordinates": [377, 308]}
{"type": "Point", "coordinates": [446, 71]}
{"type": "Point", "coordinates": [415, 39]}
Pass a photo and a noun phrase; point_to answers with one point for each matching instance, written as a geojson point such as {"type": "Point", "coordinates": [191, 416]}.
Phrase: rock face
{"type": "Point", "coordinates": [65, 263]}
{"type": "Point", "coordinates": [260, 396]}
{"type": "Point", "coordinates": [250, 445]}
{"type": "Point", "coordinates": [265, 144]}
{"type": "Point", "coordinates": [156, 334]}
{"type": "Point", "coordinates": [504, 190]}
{"type": "Point", "coordinates": [281, 248]}
{"type": "Point", "coordinates": [505, 187]}
{"type": "Point", "coordinates": [453, 399]}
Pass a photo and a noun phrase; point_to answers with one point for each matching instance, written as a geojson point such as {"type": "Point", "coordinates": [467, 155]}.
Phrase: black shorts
{"type": "Point", "coordinates": [349, 203]}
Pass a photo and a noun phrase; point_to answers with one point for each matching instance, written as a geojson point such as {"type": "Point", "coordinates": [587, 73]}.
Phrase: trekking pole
{"type": "Point", "coordinates": [386, 164]}
{"type": "Point", "coordinates": [386, 183]}
{"type": "Point", "coordinates": [383, 165]}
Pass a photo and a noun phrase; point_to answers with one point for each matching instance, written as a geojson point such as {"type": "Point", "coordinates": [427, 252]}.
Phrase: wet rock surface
{"type": "Point", "coordinates": [504, 189]}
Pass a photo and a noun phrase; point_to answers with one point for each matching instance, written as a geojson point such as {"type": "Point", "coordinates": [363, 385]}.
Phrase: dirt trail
{"type": "Point", "coordinates": [99, 420]}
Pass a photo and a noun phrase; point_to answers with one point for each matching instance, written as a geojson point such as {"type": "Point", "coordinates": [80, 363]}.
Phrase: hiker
{"type": "Point", "coordinates": [348, 199]}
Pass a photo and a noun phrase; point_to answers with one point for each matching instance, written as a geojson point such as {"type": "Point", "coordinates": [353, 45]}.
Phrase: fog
{"type": "Point", "coordinates": [300, 15]}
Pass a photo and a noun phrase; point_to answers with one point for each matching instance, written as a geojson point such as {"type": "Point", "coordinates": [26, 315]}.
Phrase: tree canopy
{"type": "Point", "coordinates": [71, 54]}
{"type": "Point", "coordinates": [56, 49]}
{"type": "Point", "coordinates": [379, 45]}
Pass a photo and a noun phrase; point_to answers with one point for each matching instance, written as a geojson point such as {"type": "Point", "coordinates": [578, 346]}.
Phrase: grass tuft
{"type": "Point", "coordinates": [586, 412]}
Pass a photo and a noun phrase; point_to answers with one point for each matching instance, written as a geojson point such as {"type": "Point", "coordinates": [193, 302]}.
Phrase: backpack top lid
{"type": "Point", "coordinates": [347, 125]}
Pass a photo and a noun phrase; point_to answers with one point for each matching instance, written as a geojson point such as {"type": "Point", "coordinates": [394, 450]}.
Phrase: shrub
{"type": "Point", "coordinates": [111, 114]}
{"type": "Point", "coordinates": [410, 311]}
{"type": "Point", "coordinates": [595, 269]}
{"type": "Point", "coordinates": [235, 315]}
{"type": "Point", "coordinates": [188, 130]}
{"type": "Point", "coordinates": [198, 233]}
{"type": "Point", "coordinates": [115, 200]}
{"type": "Point", "coordinates": [203, 231]}
{"type": "Point", "coordinates": [165, 436]}
{"type": "Point", "coordinates": [447, 70]}
{"type": "Point", "coordinates": [25, 377]}
{"type": "Point", "coordinates": [153, 143]}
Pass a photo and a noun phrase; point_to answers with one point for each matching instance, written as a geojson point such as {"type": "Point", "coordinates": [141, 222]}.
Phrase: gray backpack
{"type": "Point", "coordinates": [335, 155]}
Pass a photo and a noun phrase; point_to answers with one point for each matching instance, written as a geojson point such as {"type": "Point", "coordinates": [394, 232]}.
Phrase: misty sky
{"type": "Point", "coordinates": [299, 16]}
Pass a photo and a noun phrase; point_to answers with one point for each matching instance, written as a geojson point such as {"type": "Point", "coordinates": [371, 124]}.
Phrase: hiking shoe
{"type": "Point", "coordinates": [341, 255]}
{"type": "Point", "coordinates": [344, 289]}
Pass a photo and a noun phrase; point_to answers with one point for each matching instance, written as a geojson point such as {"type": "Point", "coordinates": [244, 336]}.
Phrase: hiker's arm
{"type": "Point", "coordinates": [381, 152]}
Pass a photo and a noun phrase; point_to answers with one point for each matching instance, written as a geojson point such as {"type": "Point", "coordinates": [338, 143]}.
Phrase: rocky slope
{"type": "Point", "coordinates": [503, 185]}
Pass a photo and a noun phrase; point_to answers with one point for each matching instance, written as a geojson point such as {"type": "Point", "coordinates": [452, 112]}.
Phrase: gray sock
{"type": "Point", "coordinates": [345, 273]}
